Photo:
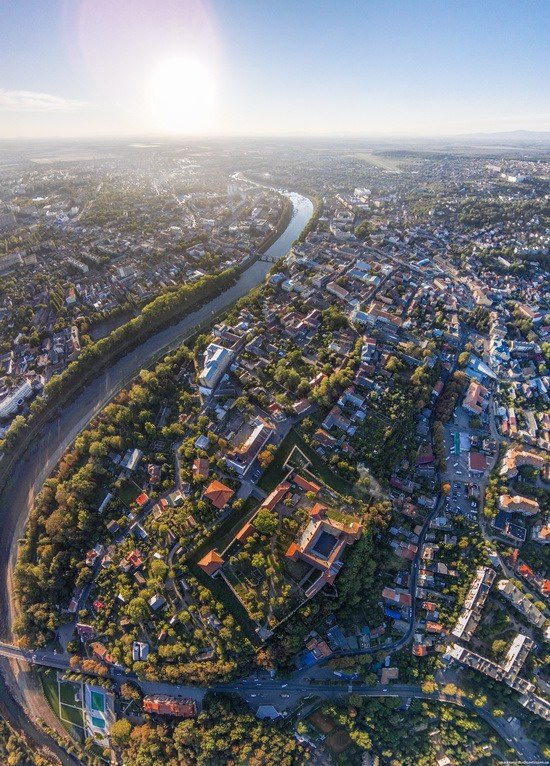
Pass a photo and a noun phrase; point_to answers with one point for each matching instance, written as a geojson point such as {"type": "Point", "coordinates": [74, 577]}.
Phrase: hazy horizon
{"type": "Point", "coordinates": [193, 69]}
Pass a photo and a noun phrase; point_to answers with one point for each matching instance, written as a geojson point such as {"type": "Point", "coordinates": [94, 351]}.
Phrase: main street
{"type": "Point", "coordinates": [285, 694]}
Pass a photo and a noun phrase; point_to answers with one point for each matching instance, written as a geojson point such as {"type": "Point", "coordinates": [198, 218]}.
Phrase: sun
{"type": "Point", "coordinates": [182, 95]}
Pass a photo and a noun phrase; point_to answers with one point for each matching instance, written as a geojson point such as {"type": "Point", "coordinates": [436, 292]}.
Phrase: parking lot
{"type": "Point", "coordinates": [467, 487]}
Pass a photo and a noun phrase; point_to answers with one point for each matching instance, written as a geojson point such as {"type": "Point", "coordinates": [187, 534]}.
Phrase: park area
{"type": "Point", "coordinates": [65, 699]}
{"type": "Point", "coordinates": [256, 570]}
{"type": "Point", "coordinates": [295, 453]}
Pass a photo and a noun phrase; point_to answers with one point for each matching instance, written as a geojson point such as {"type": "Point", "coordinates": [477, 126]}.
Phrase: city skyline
{"type": "Point", "coordinates": [99, 69]}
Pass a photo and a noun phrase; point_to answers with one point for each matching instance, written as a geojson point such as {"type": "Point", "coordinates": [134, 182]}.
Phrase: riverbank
{"type": "Point", "coordinates": [26, 475]}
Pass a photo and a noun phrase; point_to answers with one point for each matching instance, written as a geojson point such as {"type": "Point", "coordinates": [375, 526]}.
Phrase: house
{"type": "Point", "coordinates": [389, 674]}
{"type": "Point", "coordinates": [218, 494]}
{"type": "Point", "coordinates": [153, 472]}
{"type": "Point", "coordinates": [102, 652]}
{"type": "Point", "coordinates": [162, 704]}
{"type": "Point", "coordinates": [156, 602]}
{"type": "Point", "coordinates": [201, 468]}
{"type": "Point", "coordinates": [211, 562]}
{"type": "Point", "coordinates": [244, 532]}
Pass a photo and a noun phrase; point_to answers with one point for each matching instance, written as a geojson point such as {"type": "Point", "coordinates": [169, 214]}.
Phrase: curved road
{"type": "Point", "coordinates": [269, 691]}
{"type": "Point", "coordinates": [30, 474]}
{"type": "Point", "coordinates": [38, 463]}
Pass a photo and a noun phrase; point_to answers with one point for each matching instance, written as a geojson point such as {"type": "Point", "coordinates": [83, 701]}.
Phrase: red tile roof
{"type": "Point", "coordinates": [218, 494]}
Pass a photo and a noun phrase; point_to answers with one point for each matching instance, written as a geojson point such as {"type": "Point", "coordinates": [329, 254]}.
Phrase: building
{"type": "Point", "coordinates": [504, 524]}
{"type": "Point", "coordinates": [473, 604]}
{"type": "Point", "coordinates": [162, 704]}
{"type": "Point", "coordinates": [201, 468]}
{"type": "Point", "coordinates": [211, 562]}
{"type": "Point", "coordinates": [516, 457]}
{"type": "Point", "coordinates": [131, 459]}
{"type": "Point", "coordinates": [242, 457]}
{"type": "Point", "coordinates": [218, 494]}
{"type": "Point", "coordinates": [10, 404]}
{"type": "Point", "coordinates": [321, 545]}
{"type": "Point", "coordinates": [521, 603]}
{"type": "Point", "coordinates": [477, 462]}
{"type": "Point", "coordinates": [216, 361]}
{"type": "Point", "coordinates": [518, 504]}
{"type": "Point", "coordinates": [476, 399]}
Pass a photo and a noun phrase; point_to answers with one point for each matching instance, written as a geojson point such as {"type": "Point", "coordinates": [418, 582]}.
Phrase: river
{"type": "Point", "coordinates": [40, 460]}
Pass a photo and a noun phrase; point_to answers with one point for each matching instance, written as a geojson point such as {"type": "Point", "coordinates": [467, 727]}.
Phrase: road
{"type": "Point", "coordinates": [29, 475]}
{"type": "Point", "coordinates": [264, 690]}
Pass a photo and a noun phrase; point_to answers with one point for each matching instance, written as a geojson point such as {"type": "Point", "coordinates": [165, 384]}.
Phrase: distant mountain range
{"type": "Point", "coordinates": [524, 136]}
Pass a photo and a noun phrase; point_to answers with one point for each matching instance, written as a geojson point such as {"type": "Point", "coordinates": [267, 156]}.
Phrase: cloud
{"type": "Point", "coordinates": [29, 101]}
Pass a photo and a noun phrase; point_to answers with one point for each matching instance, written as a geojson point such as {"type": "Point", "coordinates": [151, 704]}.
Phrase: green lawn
{"type": "Point", "coordinates": [48, 681]}
{"type": "Point", "coordinates": [275, 473]}
{"type": "Point", "coordinates": [67, 693]}
{"type": "Point", "coordinates": [128, 492]}
{"type": "Point", "coordinates": [72, 714]}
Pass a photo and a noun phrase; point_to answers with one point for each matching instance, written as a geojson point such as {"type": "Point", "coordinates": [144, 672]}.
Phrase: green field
{"type": "Point", "coordinates": [276, 472]}
{"type": "Point", "coordinates": [72, 714]}
{"type": "Point", "coordinates": [68, 710]}
{"type": "Point", "coordinates": [128, 492]}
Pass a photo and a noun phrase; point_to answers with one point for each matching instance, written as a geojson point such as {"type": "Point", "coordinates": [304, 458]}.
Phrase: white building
{"type": "Point", "coordinates": [216, 360]}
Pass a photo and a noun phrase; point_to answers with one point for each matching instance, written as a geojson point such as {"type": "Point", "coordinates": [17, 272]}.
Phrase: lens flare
{"type": "Point", "coordinates": [182, 95]}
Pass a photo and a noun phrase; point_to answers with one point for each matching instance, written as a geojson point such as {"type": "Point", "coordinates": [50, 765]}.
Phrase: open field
{"type": "Point", "coordinates": [386, 163]}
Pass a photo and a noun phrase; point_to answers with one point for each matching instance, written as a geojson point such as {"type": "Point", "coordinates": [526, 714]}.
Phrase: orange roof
{"type": "Point", "coordinates": [317, 510]}
{"type": "Point", "coordinates": [218, 494]}
{"type": "Point", "coordinates": [276, 496]}
{"type": "Point", "coordinates": [546, 586]}
{"type": "Point", "coordinates": [164, 705]}
{"type": "Point", "coordinates": [142, 499]}
{"type": "Point", "coordinates": [419, 650]}
{"type": "Point", "coordinates": [307, 486]}
{"type": "Point", "coordinates": [211, 562]}
{"type": "Point", "coordinates": [292, 548]}
{"type": "Point", "coordinates": [523, 569]}
{"type": "Point", "coordinates": [245, 532]}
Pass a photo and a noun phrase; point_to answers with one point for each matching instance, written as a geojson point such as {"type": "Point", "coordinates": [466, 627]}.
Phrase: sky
{"type": "Point", "coordinates": [101, 68]}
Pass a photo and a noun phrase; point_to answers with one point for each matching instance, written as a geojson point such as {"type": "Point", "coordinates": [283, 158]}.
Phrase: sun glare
{"type": "Point", "coordinates": [182, 95]}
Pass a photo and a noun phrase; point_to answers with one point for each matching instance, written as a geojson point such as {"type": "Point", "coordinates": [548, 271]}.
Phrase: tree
{"type": "Point", "coordinates": [499, 647]}
{"type": "Point", "coordinates": [120, 731]}
{"type": "Point", "coordinates": [137, 609]}
{"type": "Point", "coordinates": [429, 686]}
{"type": "Point", "coordinates": [266, 521]}
{"type": "Point", "coordinates": [265, 458]}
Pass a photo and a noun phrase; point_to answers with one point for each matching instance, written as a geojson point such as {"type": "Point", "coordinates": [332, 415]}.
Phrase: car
{"type": "Point", "coordinates": [284, 686]}
{"type": "Point", "coordinates": [285, 696]}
